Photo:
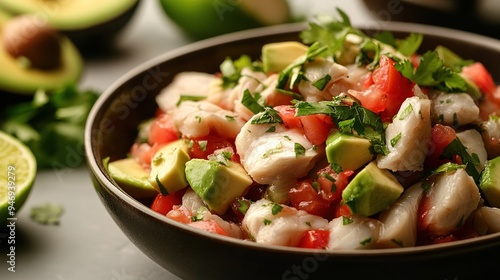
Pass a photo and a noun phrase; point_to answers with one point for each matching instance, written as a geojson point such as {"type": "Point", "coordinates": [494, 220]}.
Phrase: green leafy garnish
{"type": "Point", "coordinates": [299, 149]}
{"type": "Point", "coordinates": [276, 208]}
{"type": "Point", "coordinates": [231, 70]}
{"type": "Point", "coordinates": [47, 214]}
{"type": "Point", "coordinates": [183, 98]}
{"type": "Point", "coordinates": [471, 162]}
{"type": "Point", "coordinates": [352, 118]}
{"type": "Point", "coordinates": [395, 140]}
{"type": "Point", "coordinates": [52, 125]}
{"type": "Point", "coordinates": [251, 103]}
{"type": "Point", "coordinates": [431, 72]}
{"type": "Point", "coordinates": [269, 116]}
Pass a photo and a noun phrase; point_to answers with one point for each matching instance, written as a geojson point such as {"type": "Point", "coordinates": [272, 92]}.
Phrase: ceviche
{"type": "Point", "coordinates": [339, 141]}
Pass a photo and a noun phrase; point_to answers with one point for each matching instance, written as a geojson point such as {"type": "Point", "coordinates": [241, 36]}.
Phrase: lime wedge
{"type": "Point", "coordinates": [17, 174]}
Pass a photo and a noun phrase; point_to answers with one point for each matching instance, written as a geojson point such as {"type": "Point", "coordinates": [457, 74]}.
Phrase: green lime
{"type": "Point", "coordinates": [201, 19]}
{"type": "Point", "coordinates": [17, 174]}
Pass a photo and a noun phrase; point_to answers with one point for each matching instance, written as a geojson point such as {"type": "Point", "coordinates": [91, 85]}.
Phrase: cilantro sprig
{"type": "Point", "coordinates": [351, 118]}
{"type": "Point", "coordinates": [431, 72]}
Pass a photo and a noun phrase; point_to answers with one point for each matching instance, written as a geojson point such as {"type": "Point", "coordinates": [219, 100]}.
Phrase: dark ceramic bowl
{"type": "Point", "coordinates": [193, 254]}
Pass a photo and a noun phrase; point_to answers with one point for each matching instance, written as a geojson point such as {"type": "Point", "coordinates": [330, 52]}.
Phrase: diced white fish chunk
{"type": "Point", "coordinates": [454, 109]}
{"type": "Point", "coordinates": [270, 156]}
{"type": "Point", "coordinates": [487, 220]}
{"type": "Point", "coordinates": [197, 119]}
{"type": "Point", "coordinates": [408, 137]}
{"type": "Point", "coordinates": [275, 224]}
{"type": "Point", "coordinates": [185, 83]}
{"type": "Point", "coordinates": [192, 201]}
{"type": "Point", "coordinates": [450, 200]}
{"type": "Point", "coordinates": [230, 228]}
{"type": "Point", "coordinates": [353, 233]}
{"type": "Point", "coordinates": [473, 141]}
{"type": "Point", "coordinates": [353, 80]}
{"type": "Point", "coordinates": [400, 220]}
{"type": "Point", "coordinates": [254, 82]}
{"type": "Point", "coordinates": [316, 70]}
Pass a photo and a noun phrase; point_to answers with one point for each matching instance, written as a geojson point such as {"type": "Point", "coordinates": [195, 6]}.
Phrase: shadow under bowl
{"type": "Point", "coordinates": [193, 254]}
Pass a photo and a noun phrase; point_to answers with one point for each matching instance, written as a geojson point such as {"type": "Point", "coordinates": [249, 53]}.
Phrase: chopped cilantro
{"type": "Point", "coordinates": [431, 72]}
{"type": "Point", "coordinates": [299, 149]}
{"type": "Point", "coordinates": [267, 222]}
{"type": "Point", "coordinates": [276, 208]}
{"type": "Point", "coordinates": [395, 140]}
{"type": "Point", "coordinates": [230, 118]}
{"type": "Point", "coordinates": [406, 112]}
{"type": "Point", "coordinates": [251, 103]}
{"type": "Point", "coordinates": [366, 241]}
{"type": "Point", "coordinates": [183, 98]}
{"type": "Point", "coordinates": [346, 220]}
{"type": "Point", "coordinates": [231, 70]}
{"type": "Point", "coordinates": [352, 118]}
{"type": "Point", "coordinates": [203, 145]}
{"type": "Point", "coordinates": [272, 128]}
{"type": "Point", "coordinates": [47, 214]}
{"type": "Point", "coordinates": [470, 161]}
{"type": "Point", "coordinates": [322, 82]}
{"type": "Point", "coordinates": [269, 116]}
{"type": "Point", "coordinates": [397, 242]}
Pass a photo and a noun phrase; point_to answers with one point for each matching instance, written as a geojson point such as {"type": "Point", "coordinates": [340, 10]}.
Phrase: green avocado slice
{"type": "Point", "coordinates": [14, 78]}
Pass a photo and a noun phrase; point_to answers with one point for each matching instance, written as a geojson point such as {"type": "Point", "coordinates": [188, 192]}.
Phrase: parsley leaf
{"type": "Point", "coordinates": [251, 103]}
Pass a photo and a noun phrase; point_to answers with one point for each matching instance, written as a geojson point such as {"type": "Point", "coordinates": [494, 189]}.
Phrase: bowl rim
{"type": "Point", "coordinates": [98, 170]}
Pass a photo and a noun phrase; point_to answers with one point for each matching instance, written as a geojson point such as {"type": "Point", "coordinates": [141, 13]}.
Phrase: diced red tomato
{"type": "Point", "coordinates": [164, 203]}
{"type": "Point", "coordinates": [162, 131]}
{"type": "Point", "coordinates": [388, 92]}
{"type": "Point", "coordinates": [479, 75]}
{"type": "Point", "coordinates": [277, 98]}
{"type": "Point", "coordinates": [316, 127]}
{"type": "Point", "coordinates": [204, 146]}
{"type": "Point", "coordinates": [321, 201]}
{"type": "Point", "coordinates": [315, 239]}
{"type": "Point", "coordinates": [143, 153]}
{"type": "Point", "coordinates": [209, 226]}
{"type": "Point", "coordinates": [441, 137]}
{"type": "Point", "coordinates": [305, 197]}
{"type": "Point", "coordinates": [342, 210]}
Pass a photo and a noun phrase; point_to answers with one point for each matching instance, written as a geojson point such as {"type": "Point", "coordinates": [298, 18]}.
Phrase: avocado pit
{"type": "Point", "coordinates": [30, 38]}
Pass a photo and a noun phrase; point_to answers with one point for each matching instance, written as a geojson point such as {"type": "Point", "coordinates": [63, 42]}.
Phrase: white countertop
{"type": "Point", "coordinates": [87, 244]}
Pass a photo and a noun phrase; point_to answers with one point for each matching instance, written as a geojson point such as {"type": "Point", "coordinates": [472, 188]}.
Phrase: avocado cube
{"type": "Point", "coordinates": [348, 151]}
{"type": "Point", "coordinates": [371, 190]}
{"type": "Point", "coordinates": [132, 178]}
{"type": "Point", "coordinates": [167, 167]}
{"type": "Point", "coordinates": [490, 182]}
{"type": "Point", "coordinates": [217, 184]}
{"type": "Point", "coordinates": [277, 56]}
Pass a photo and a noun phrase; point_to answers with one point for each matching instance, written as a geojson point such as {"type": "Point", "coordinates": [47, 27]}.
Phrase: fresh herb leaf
{"type": "Point", "coordinates": [395, 140]}
{"type": "Point", "coordinates": [276, 209]}
{"type": "Point", "coordinates": [322, 82]}
{"type": "Point", "coordinates": [350, 115]}
{"type": "Point", "coordinates": [251, 103]}
{"type": "Point", "coordinates": [269, 116]}
{"type": "Point", "coordinates": [366, 241]}
{"type": "Point", "coordinates": [471, 162]}
{"type": "Point", "coordinates": [431, 72]}
{"type": "Point", "coordinates": [231, 70]}
{"type": "Point", "coordinates": [346, 220]}
{"type": "Point", "coordinates": [406, 112]}
{"type": "Point", "coordinates": [47, 214]}
{"type": "Point", "coordinates": [410, 44]}
{"type": "Point", "coordinates": [299, 149]}
{"type": "Point", "coordinates": [52, 125]}
{"type": "Point", "coordinates": [183, 98]}
{"type": "Point", "coordinates": [267, 222]}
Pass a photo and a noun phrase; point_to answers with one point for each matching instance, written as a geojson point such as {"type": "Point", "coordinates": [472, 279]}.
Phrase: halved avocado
{"type": "Point", "coordinates": [17, 79]}
{"type": "Point", "coordinates": [88, 23]}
